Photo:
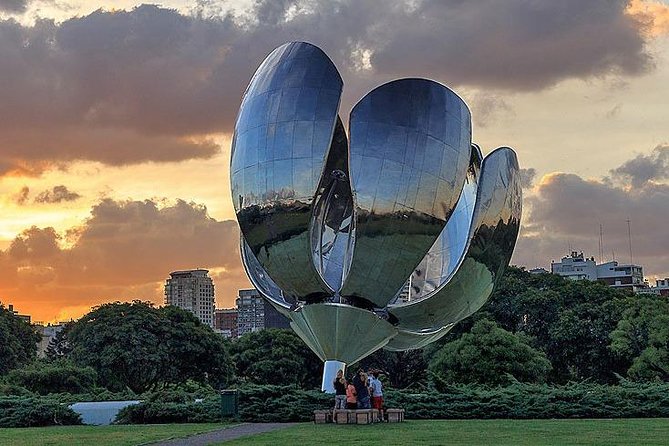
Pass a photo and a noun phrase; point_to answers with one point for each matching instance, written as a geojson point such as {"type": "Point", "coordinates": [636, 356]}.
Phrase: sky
{"type": "Point", "coordinates": [116, 121]}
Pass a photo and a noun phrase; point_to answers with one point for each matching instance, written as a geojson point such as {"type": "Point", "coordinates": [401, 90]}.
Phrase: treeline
{"type": "Point", "coordinates": [536, 330]}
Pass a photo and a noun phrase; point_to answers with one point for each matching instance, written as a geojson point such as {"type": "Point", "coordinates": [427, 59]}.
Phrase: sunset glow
{"type": "Point", "coordinates": [116, 121]}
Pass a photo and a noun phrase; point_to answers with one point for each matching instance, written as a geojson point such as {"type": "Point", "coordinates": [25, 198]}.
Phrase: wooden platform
{"type": "Point", "coordinates": [358, 416]}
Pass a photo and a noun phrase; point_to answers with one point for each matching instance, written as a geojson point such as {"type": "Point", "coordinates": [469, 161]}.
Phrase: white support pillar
{"type": "Point", "coordinates": [330, 369]}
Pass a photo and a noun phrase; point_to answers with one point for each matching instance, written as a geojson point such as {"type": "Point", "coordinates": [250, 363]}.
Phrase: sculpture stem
{"type": "Point", "coordinates": [330, 369]}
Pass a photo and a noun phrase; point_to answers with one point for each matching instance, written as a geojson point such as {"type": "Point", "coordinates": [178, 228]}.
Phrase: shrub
{"type": "Point", "coordinates": [29, 412]}
{"type": "Point", "coordinates": [285, 403]}
{"type": "Point", "coordinates": [53, 377]}
{"type": "Point", "coordinates": [157, 412]}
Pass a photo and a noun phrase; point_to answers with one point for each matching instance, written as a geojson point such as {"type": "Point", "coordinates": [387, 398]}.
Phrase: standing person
{"type": "Point", "coordinates": [340, 390]}
{"type": "Point", "coordinates": [351, 397]}
{"type": "Point", "coordinates": [360, 383]}
{"type": "Point", "coordinates": [377, 393]}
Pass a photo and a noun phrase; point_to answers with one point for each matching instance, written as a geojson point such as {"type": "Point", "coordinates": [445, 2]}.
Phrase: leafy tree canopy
{"type": "Point", "coordinates": [276, 356]}
{"type": "Point", "coordinates": [136, 346]}
{"type": "Point", "coordinates": [489, 355]}
{"type": "Point", "coordinates": [641, 338]}
{"type": "Point", "coordinates": [18, 341]}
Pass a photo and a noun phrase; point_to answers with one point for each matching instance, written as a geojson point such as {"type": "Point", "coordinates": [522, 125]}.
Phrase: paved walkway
{"type": "Point", "coordinates": [225, 434]}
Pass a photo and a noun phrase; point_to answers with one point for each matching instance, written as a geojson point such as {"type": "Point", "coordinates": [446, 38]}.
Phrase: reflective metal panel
{"type": "Point", "coordinates": [262, 281]}
{"type": "Point", "coordinates": [341, 332]}
{"type": "Point", "coordinates": [282, 136]}
{"type": "Point", "coordinates": [494, 232]}
{"type": "Point", "coordinates": [449, 249]}
{"type": "Point", "coordinates": [333, 227]}
{"type": "Point", "coordinates": [410, 148]}
{"type": "Point", "coordinates": [411, 340]}
{"type": "Point", "coordinates": [330, 231]}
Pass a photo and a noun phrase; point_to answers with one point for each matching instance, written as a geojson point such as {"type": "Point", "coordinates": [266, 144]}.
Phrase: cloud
{"type": "Point", "coordinates": [124, 250]}
{"type": "Point", "coordinates": [514, 45]}
{"type": "Point", "coordinates": [566, 210]}
{"type": "Point", "coordinates": [645, 168]}
{"type": "Point", "coordinates": [13, 6]}
{"type": "Point", "coordinates": [654, 16]}
{"type": "Point", "coordinates": [527, 177]}
{"type": "Point", "coordinates": [613, 112]}
{"type": "Point", "coordinates": [57, 194]}
{"type": "Point", "coordinates": [153, 84]}
{"type": "Point", "coordinates": [21, 197]}
{"type": "Point", "coordinates": [487, 107]}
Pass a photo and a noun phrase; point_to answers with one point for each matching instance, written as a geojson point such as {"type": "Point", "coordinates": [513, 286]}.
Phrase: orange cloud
{"type": "Point", "coordinates": [124, 251]}
{"type": "Point", "coordinates": [653, 15]}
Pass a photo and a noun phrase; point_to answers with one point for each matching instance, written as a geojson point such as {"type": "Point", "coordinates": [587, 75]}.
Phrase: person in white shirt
{"type": "Point", "coordinates": [376, 390]}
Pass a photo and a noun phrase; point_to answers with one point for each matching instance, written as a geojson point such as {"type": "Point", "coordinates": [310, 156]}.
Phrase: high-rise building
{"type": "Point", "coordinates": [255, 313]}
{"type": "Point", "coordinates": [225, 322]}
{"type": "Point", "coordinates": [192, 290]}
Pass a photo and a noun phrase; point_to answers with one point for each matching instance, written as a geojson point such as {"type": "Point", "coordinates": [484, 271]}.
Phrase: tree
{"type": "Point", "coordinates": [59, 346]}
{"type": "Point", "coordinates": [53, 377]}
{"type": "Point", "coordinates": [489, 355]}
{"type": "Point", "coordinates": [136, 346]}
{"type": "Point", "coordinates": [276, 356]}
{"type": "Point", "coordinates": [18, 341]}
{"type": "Point", "coordinates": [570, 321]}
{"type": "Point", "coordinates": [403, 369]}
{"type": "Point", "coordinates": [196, 351]}
{"type": "Point", "coordinates": [641, 339]}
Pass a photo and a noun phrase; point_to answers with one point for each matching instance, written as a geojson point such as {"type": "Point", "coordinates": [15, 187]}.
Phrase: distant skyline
{"type": "Point", "coordinates": [116, 120]}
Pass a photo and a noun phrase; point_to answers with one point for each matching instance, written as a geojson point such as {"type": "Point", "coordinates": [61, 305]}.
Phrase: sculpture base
{"type": "Point", "coordinates": [330, 369]}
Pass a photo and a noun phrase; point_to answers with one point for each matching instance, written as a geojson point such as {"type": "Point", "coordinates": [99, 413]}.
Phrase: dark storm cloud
{"type": "Point", "coordinates": [517, 44]}
{"type": "Point", "coordinates": [566, 211]}
{"type": "Point", "coordinates": [149, 84]}
{"type": "Point", "coordinates": [644, 168]}
{"type": "Point", "coordinates": [13, 6]}
{"type": "Point", "coordinates": [57, 194]}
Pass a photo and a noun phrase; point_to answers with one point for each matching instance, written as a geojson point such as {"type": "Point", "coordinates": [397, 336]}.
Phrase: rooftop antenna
{"type": "Point", "coordinates": [629, 237]}
{"type": "Point", "coordinates": [601, 244]}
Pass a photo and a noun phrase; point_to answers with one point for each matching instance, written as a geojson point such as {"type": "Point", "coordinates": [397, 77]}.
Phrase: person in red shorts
{"type": "Point", "coordinates": [376, 388]}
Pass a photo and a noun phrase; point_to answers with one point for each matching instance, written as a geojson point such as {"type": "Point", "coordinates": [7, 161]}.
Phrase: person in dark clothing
{"type": "Point", "coordinates": [340, 390]}
{"type": "Point", "coordinates": [360, 384]}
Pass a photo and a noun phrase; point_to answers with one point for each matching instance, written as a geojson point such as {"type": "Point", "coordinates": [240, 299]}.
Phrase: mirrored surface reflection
{"type": "Point", "coordinates": [383, 240]}
{"type": "Point", "coordinates": [449, 249]}
{"type": "Point", "coordinates": [282, 136]}
{"type": "Point", "coordinates": [333, 225]}
{"type": "Point", "coordinates": [410, 149]}
{"type": "Point", "coordinates": [495, 227]}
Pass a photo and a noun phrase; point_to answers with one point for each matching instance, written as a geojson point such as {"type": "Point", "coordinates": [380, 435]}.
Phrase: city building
{"type": "Point", "coordinates": [661, 288]}
{"type": "Point", "coordinates": [615, 274]}
{"type": "Point", "coordinates": [25, 317]}
{"type": "Point", "coordinates": [255, 313]}
{"type": "Point", "coordinates": [225, 322]}
{"type": "Point", "coordinates": [539, 270]}
{"type": "Point", "coordinates": [192, 290]}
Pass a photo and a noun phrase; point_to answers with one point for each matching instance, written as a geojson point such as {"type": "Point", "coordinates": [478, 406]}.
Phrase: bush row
{"type": "Point", "coordinates": [281, 403]}
{"type": "Point", "coordinates": [575, 400]}
{"type": "Point", "coordinates": [29, 412]}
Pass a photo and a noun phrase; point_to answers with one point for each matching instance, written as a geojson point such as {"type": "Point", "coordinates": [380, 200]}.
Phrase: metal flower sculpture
{"type": "Point", "coordinates": [385, 239]}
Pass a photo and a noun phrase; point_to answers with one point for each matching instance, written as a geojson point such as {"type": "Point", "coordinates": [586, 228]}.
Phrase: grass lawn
{"type": "Point", "coordinates": [100, 435]}
{"type": "Point", "coordinates": [472, 432]}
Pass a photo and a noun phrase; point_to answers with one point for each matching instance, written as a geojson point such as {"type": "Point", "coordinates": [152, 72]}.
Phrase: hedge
{"type": "Point", "coordinates": [574, 400]}
{"type": "Point", "coordinates": [29, 412]}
